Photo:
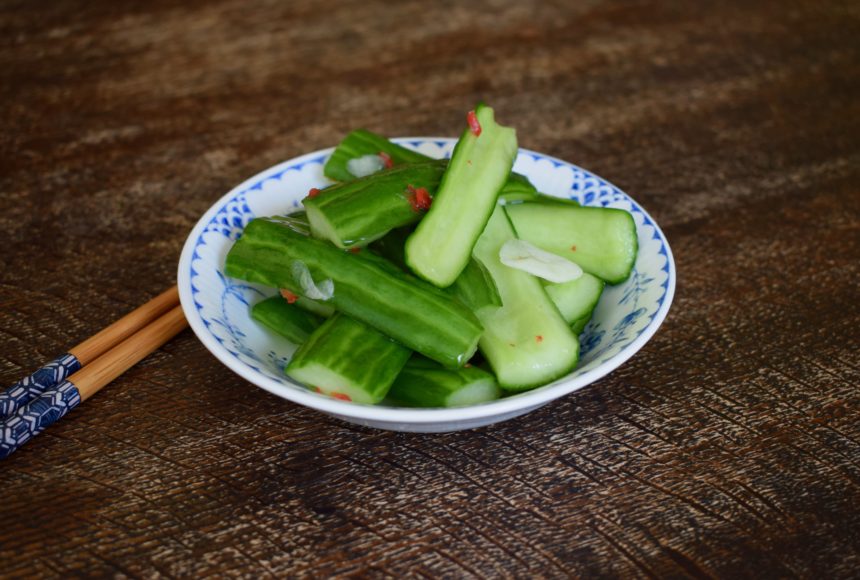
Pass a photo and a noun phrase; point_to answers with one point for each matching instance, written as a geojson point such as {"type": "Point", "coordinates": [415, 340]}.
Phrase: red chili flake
{"type": "Point", "coordinates": [317, 390]}
{"type": "Point", "coordinates": [355, 249]}
{"type": "Point", "coordinates": [419, 199]}
{"type": "Point", "coordinates": [386, 159]}
{"type": "Point", "coordinates": [289, 295]}
{"type": "Point", "coordinates": [474, 125]}
{"type": "Point", "coordinates": [341, 396]}
{"type": "Point", "coordinates": [423, 198]}
{"type": "Point", "coordinates": [539, 338]}
{"type": "Point", "coordinates": [313, 192]}
{"type": "Point", "coordinates": [573, 248]}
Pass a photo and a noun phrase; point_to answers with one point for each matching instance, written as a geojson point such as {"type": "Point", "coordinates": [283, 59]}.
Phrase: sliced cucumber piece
{"type": "Point", "coordinates": [601, 240]}
{"type": "Point", "coordinates": [358, 146]}
{"type": "Point", "coordinates": [360, 143]}
{"type": "Point", "coordinates": [424, 383]}
{"type": "Point", "coordinates": [517, 189]}
{"type": "Point", "coordinates": [391, 246]}
{"type": "Point", "coordinates": [442, 243]}
{"type": "Point", "coordinates": [526, 341]}
{"type": "Point", "coordinates": [576, 299]}
{"type": "Point", "coordinates": [286, 319]}
{"type": "Point", "coordinates": [355, 213]}
{"type": "Point", "coordinates": [297, 221]}
{"type": "Point", "coordinates": [579, 325]}
{"type": "Point", "coordinates": [475, 287]}
{"type": "Point", "coordinates": [348, 360]}
{"type": "Point", "coordinates": [321, 309]}
{"type": "Point", "coordinates": [417, 314]}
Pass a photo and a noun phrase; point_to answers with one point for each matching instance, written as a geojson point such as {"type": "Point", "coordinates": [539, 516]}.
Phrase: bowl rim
{"type": "Point", "coordinates": [516, 402]}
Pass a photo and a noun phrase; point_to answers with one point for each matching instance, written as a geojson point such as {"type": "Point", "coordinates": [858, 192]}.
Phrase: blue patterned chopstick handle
{"type": "Point", "coordinates": [38, 414]}
{"type": "Point", "coordinates": [30, 387]}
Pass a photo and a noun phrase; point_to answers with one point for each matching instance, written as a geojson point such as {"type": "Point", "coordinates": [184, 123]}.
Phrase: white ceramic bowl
{"type": "Point", "coordinates": [217, 307]}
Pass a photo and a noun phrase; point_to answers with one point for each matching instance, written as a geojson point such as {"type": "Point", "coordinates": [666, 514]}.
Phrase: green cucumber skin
{"type": "Point", "coordinates": [364, 361]}
{"type": "Point", "coordinates": [420, 316]}
{"type": "Point", "coordinates": [285, 319]}
{"type": "Point", "coordinates": [517, 189]}
{"type": "Point", "coordinates": [424, 383]}
{"type": "Point", "coordinates": [442, 243]}
{"type": "Point", "coordinates": [526, 342]}
{"type": "Point", "coordinates": [355, 213]}
{"type": "Point", "coordinates": [298, 221]}
{"type": "Point", "coordinates": [603, 241]}
{"type": "Point", "coordinates": [391, 246]}
{"type": "Point", "coordinates": [475, 287]}
{"type": "Point", "coordinates": [579, 325]}
{"type": "Point", "coordinates": [516, 196]}
{"type": "Point", "coordinates": [316, 307]}
{"type": "Point", "coordinates": [360, 143]}
{"type": "Point", "coordinates": [577, 298]}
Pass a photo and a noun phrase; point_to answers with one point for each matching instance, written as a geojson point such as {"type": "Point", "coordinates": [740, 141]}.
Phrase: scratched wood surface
{"type": "Point", "coordinates": [728, 447]}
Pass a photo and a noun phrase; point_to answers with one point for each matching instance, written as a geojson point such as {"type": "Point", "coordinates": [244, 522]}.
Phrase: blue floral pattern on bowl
{"type": "Point", "coordinates": [625, 312]}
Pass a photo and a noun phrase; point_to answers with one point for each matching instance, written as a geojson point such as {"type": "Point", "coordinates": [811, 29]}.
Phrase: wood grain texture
{"type": "Point", "coordinates": [728, 447]}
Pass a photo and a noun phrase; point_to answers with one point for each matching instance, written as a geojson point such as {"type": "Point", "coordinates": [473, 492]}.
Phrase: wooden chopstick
{"type": "Point", "coordinates": [90, 379]}
{"type": "Point", "coordinates": [56, 371]}
{"type": "Point", "coordinates": [53, 402]}
{"type": "Point", "coordinates": [109, 337]}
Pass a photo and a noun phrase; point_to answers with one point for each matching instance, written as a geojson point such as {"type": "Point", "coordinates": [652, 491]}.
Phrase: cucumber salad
{"type": "Point", "coordinates": [432, 283]}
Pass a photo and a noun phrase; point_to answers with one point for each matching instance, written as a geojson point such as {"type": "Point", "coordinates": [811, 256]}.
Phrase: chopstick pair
{"type": "Point", "coordinates": [37, 401]}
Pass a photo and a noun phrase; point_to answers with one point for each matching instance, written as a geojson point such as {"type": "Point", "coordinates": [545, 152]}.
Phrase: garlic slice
{"type": "Point", "coordinates": [365, 165]}
{"type": "Point", "coordinates": [322, 291]}
{"type": "Point", "coordinates": [524, 256]}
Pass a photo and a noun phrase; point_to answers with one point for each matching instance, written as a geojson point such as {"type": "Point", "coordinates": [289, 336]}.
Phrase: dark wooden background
{"type": "Point", "coordinates": [728, 447]}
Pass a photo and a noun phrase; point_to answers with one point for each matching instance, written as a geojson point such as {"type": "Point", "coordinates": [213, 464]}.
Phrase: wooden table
{"type": "Point", "coordinates": [728, 447]}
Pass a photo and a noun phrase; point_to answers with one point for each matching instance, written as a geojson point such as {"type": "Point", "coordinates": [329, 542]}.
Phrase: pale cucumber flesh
{"type": "Point", "coordinates": [603, 241]}
{"type": "Point", "coordinates": [526, 341]}
{"type": "Point", "coordinates": [442, 243]}
{"type": "Point", "coordinates": [577, 298]}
